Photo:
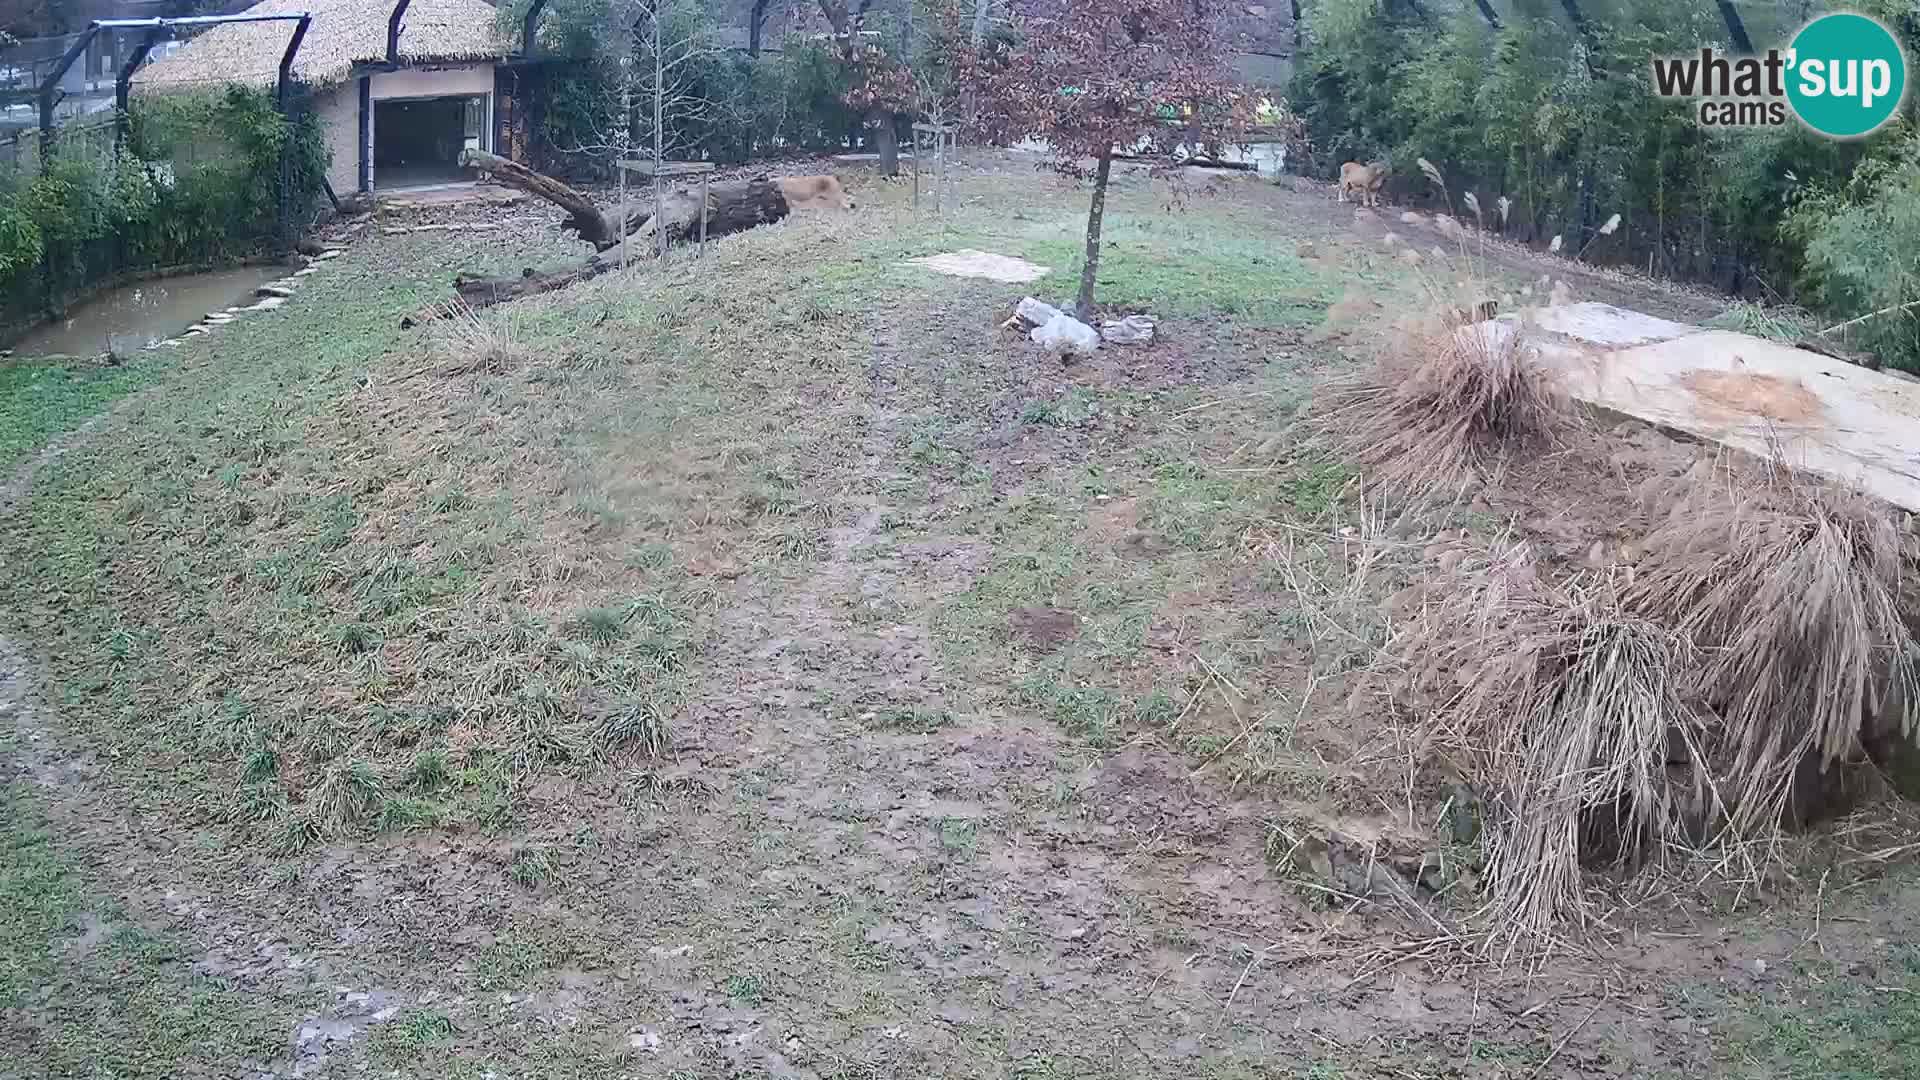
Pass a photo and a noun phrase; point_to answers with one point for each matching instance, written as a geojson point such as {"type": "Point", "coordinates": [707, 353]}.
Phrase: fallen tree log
{"type": "Point", "coordinates": [732, 206]}
{"type": "Point", "coordinates": [473, 294]}
{"type": "Point", "coordinates": [582, 216]}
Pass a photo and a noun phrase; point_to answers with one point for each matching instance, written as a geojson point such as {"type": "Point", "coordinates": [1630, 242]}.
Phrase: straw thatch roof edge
{"type": "Point", "coordinates": [344, 35]}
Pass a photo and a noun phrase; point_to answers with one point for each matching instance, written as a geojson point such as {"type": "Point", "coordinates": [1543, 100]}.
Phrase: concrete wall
{"type": "Point", "coordinates": [338, 111]}
{"type": "Point", "coordinates": [433, 82]}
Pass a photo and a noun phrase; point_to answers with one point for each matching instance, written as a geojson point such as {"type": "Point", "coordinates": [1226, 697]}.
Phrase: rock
{"type": "Point", "coordinates": [330, 253]}
{"type": "Point", "coordinates": [1132, 330]}
{"type": "Point", "coordinates": [1067, 336]}
{"type": "Point", "coordinates": [268, 304]}
{"type": "Point", "coordinates": [1410, 217]}
{"type": "Point", "coordinates": [305, 270]}
{"type": "Point", "coordinates": [277, 289]}
{"type": "Point", "coordinates": [1389, 239]}
{"type": "Point", "coordinates": [1036, 312]}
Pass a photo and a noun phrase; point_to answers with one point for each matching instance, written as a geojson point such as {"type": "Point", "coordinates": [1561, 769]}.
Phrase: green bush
{"type": "Point", "coordinates": [200, 181]}
{"type": "Point", "coordinates": [1862, 252]}
{"type": "Point", "coordinates": [1573, 137]}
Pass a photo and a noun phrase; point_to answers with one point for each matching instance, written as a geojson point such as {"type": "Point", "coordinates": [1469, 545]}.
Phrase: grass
{"type": "Point", "coordinates": [123, 1005]}
{"type": "Point", "coordinates": [588, 591]}
{"type": "Point", "coordinates": [40, 399]}
{"type": "Point", "coordinates": [1216, 262]}
{"type": "Point", "coordinates": [1842, 1028]}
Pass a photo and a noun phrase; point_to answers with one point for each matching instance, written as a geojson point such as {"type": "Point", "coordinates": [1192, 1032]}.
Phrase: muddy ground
{"type": "Point", "coordinates": [766, 665]}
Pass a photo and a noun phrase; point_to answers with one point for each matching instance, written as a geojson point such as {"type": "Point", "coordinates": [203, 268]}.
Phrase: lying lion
{"type": "Point", "coordinates": [814, 193]}
{"type": "Point", "coordinates": [1365, 180]}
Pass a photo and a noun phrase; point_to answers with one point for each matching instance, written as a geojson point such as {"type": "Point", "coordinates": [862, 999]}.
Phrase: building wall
{"type": "Point", "coordinates": [433, 82]}
{"type": "Point", "coordinates": [338, 110]}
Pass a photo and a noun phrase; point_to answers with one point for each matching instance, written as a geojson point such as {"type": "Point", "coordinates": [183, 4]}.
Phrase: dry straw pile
{"type": "Point", "coordinates": [1791, 588]}
{"type": "Point", "coordinates": [1443, 408]}
{"type": "Point", "coordinates": [1569, 713]}
{"type": "Point", "coordinates": [1700, 702]}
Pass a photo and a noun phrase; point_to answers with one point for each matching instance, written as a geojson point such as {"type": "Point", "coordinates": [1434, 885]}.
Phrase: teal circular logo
{"type": "Point", "coordinates": [1846, 75]}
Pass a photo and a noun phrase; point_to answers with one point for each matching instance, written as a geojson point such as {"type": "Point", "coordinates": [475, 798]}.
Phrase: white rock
{"type": "Point", "coordinates": [275, 290]}
{"type": "Point", "coordinates": [1036, 312]}
{"type": "Point", "coordinates": [1132, 330]}
{"type": "Point", "coordinates": [268, 304]}
{"type": "Point", "coordinates": [1067, 336]}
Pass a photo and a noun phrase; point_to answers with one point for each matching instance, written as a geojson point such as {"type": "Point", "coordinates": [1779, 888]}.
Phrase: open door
{"type": "Point", "coordinates": [475, 130]}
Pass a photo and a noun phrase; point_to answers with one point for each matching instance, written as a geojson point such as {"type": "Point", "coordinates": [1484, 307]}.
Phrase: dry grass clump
{"type": "Point", "coordinates": [1570, 714]}
{"type": "Point", "coordinates": [1791, 587]}
{"type": "Point", "coordinates": [1671, 709]}
{"type": "Point", "coordinates": [466, 342]}
{"type": "Point", "coordinates": [1444, 408]}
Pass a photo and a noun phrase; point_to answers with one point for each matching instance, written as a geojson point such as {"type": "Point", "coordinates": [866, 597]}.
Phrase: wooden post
{"type": "Point", "coordinates": [940, 133]}
{"type": "Point", "coordinates": [663, 172]}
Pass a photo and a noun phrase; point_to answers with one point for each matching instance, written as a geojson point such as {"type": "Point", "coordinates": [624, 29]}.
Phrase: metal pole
{"type": "Point", "coordinates": [52, 83]}
{"type": "Point", "coordinates": [704, 173]}
{"type": "Point", "coordinates": [393, 31]}
{"type": "Point", "coordinates": [916, 168]}
{"type": "Point", "coordinates": [281, 103]}
{"type": "Point", "coordinates": [123, 86]}
{"type": "Point", "coordinates": [286, 63]}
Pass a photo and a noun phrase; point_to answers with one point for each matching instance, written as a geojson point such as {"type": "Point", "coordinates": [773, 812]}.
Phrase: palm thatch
{"type": "Point", "coordinates": [344, 33]}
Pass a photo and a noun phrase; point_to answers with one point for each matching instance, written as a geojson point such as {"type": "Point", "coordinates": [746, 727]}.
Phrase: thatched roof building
{"type": "Point", "coordinates": [344, 35]}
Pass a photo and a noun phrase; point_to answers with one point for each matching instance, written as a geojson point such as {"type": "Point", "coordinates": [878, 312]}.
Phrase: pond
{"type": "Point", "coordinates": [136, 315]}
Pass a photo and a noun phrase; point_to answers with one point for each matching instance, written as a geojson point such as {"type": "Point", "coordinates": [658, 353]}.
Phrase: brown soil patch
{"type": "Point", "coordinates": [1755, 395]}
{"type": "Point", "coordinates": [1044, 629]}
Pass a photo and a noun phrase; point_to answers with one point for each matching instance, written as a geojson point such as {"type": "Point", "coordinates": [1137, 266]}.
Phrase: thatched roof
{"type": "Point", "coordinates": [344, 33]}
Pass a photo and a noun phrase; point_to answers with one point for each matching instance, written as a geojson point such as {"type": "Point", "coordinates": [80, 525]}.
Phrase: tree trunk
{"type": "Point", "coordinates": [582, 216]}
{"type": "Point", "coordinates": [1588, 36]}
{"type": "Point", "coordinates": [756, 22]}
{"type": "Point", "coordinates": [886, 139]}
{"type": "Point", "coordinates": [1083, 304]}
{"type": "Point", "coordinates": [1736, 29]}
{"type": "Point", "coordinates": [732, 206]}
{"type": "Point", "coordinates": [1487, 13]}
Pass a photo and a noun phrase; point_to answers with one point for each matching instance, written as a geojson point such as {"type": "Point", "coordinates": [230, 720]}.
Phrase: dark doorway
{"type": "Point", "coordinates": [417, 141]}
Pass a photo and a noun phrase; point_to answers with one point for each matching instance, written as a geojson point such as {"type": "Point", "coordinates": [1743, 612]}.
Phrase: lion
{"type": "Point", "coordinates": [814, 193]}
{"type": "Point", "coordinates": [1365, 180]}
